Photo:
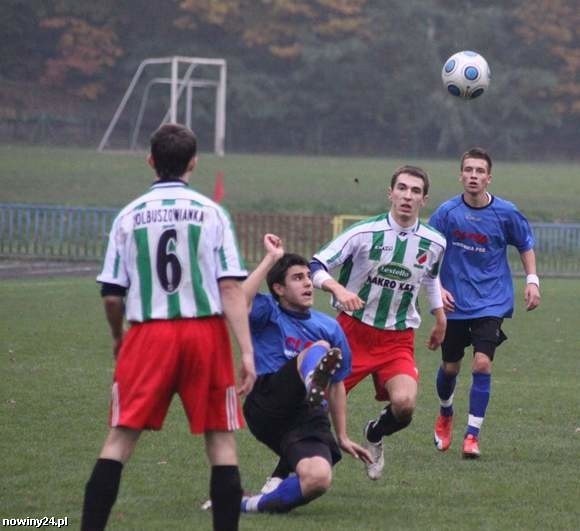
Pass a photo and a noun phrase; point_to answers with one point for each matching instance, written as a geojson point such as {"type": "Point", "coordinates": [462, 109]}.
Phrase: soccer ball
{"type": "Point", "coordinates": [466, 75]}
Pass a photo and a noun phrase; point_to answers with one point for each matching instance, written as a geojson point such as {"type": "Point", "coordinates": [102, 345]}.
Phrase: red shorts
{"type": "Point", "coordinates": [382, 353]}
{"type": "Point", "coordinates": [190, 357]}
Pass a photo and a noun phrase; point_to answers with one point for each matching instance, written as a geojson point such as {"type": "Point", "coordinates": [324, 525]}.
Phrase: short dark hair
{"type": "Point", "coordinates": [476, 153]}
{"type": "Point", "coordinates": [172, 148]}
{"type": "Point", "coordinates": [415, 171]}
{"type": "Point", "coordinates": [277, 275]}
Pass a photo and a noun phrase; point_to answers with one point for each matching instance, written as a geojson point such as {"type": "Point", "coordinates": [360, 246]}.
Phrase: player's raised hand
{"type": "Point", "coordinates": [274, 246]}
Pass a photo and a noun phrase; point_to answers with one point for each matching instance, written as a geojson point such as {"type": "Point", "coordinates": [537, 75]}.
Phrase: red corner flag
{"type": "Point", "coordinates": [219, 190]}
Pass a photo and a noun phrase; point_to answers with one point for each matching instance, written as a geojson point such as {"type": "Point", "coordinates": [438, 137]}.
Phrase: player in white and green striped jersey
{"type": "Point", "coordinates": [172, 268]}
{"type": "Point", "coordinates": [167, 247]}
{"type": "Point", "coordinates": [384, 261]}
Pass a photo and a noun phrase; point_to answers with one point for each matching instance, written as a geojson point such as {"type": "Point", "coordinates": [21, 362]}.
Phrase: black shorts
{"type": "Point", "coordinates": [278, 416]}
{"type": "Point", "coordinates": [485, 334]}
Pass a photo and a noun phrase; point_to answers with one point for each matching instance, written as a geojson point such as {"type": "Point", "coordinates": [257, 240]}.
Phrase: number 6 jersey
{"type": "Point", "coordinates": [169, 248]}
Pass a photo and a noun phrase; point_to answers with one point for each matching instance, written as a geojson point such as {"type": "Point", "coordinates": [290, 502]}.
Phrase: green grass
{"type": "Point", "coordinates": [268, 183]}
{"type": "Point", "coordinates": [56, 365]}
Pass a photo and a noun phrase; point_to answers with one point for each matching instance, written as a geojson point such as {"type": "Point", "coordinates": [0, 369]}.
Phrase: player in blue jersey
{"type": "Point", "coordinates": [477, 292]}
{"type": "Point", "coordinates": [301, 357]}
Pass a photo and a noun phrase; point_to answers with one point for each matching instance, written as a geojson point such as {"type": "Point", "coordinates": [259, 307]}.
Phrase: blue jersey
{"type": "Point", "coordinates": [279, 335]}
{"type": "Point", "coordinates": [476, 269]}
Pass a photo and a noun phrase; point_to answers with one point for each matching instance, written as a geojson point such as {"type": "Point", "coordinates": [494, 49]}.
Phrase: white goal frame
{"type": "Point", "coordinates": [178, 85]}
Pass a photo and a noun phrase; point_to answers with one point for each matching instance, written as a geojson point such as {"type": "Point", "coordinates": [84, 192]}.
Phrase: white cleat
{"type": "Point", "coordinates": [206, 505]}
{"type": "Point", "coordinates": [271, 485]}
{"type": "Point", "coordinates": [374, 469]}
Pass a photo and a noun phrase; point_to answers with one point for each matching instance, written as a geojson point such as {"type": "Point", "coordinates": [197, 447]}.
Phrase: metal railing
{"type": "Point", "coordinates": [51, 232]}
{"type": "Point", "coordinates": [48, 232]}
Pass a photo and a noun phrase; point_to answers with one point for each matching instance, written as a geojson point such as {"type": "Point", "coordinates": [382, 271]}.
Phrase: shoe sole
{"type": "Point", "coordinates": [467, 455]}
{"type": "Point", "coordinates": [326, 367]}
{"type": "Point", "coordinates": [439, 444]}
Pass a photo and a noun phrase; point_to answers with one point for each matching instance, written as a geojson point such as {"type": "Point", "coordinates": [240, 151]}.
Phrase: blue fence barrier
{"type": "Point", "coordinates": [57, 232]}
{"type": "Point", "coordinates": [51, 232]}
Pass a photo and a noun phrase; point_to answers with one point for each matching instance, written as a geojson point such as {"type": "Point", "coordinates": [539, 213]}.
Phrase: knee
{"type": "Point", "coordinates": [316, 478]}
{"type": "Point", "coordinates": [451, 369]}
{"type": "Point", "coordinates": [403, 406]}
{"type": "Point", "coordinates": [481, 363]}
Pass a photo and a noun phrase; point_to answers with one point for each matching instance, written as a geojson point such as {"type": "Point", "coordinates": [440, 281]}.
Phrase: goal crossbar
{"type": "Point", "coordinates": [177, 86]}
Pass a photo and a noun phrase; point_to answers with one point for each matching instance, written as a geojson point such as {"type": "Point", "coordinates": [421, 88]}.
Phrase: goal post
{"type": "Point", "coordinates": [178, 86]}
{"type": "Point", "coordinates": [343, 221]}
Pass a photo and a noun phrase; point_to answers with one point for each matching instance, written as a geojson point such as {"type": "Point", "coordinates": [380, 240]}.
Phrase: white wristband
{"type": "Point", "coordinates": [533, 279]}
{"type": "Point", "coordinates": [320, 277]}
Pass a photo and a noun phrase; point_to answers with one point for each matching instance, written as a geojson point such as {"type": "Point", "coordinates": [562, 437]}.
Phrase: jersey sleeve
{"type": "Point", "coordinates": [435, 267]}
{"type": "Point", "coordinates": [519, 232]}
{"type": "Point", "coordinates": [114, 268]}
{"type": "Point", "coordinates": [262, 308]}
{"type": "Point", "coordinates": [436, 220]}
{"type": "Point", "coordinates": [229, 260]}
{"type": "Point", "coordinates": [337, 251]}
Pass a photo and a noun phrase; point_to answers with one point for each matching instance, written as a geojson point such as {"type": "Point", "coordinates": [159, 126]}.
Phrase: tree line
{"type": "Point", "coordinates": [322, 76]}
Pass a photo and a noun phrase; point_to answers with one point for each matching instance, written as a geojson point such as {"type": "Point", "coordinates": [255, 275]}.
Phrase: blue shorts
{"type": "Point", "coordinates": [484, 333]}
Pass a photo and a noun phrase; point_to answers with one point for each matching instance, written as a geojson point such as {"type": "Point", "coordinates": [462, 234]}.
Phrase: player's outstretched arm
{"type": "Point", "coordinates": [347, 300]}
{"type": "Point", "coordinates": [274, 251]}
{"type": "Point", "coordinates": [337, 407]}
{"type": "Point", "coordinates": [235, 310]}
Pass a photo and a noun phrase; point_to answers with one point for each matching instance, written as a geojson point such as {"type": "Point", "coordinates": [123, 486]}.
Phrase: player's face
{"type": "Point", "coordinates": [475, 176]}
{"type": "Point", "coordinates": [407, 197]}
{"type": "Point", "coordinates": [297, 292]}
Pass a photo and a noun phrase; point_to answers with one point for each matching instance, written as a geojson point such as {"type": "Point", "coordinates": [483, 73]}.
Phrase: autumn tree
{"type": "Point", "coordinates": [84, 52]}
{"type": "Point", "coordinates": [556, 25]}
{"type": "Point", "coordinates": [278, 26]}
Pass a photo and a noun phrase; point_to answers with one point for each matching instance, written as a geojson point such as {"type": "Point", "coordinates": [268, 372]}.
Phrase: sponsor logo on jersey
{"type": "Point", "coordinates": [476, 237]}
{"type": "Point", "coordinates": [421, 259]}
{"type": "Point", "coordinates": [394, 271]}
{"type": "Point", "coordinates": [386, 248]}
{"type": "Point", "coordinates": [391, 284]}
{"type": "Point", "coordinates": [294, 345]}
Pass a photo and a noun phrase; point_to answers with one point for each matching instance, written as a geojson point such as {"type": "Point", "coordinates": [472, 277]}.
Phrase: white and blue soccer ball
{"type": "Point", "coordinates": [466, 75]}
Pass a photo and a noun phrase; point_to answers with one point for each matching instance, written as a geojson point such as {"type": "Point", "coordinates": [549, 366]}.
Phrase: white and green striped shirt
{"type": "Point", "coordinates": [385, 265]}
{"type": "Point", "coordinates": [170, 247]}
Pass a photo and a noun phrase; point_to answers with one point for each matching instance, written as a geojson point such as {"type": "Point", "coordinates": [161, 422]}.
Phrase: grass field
{"type": "Point", "coordinates": [545, 192]}
{"type": "Point", "coordinates": [56, 367]}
